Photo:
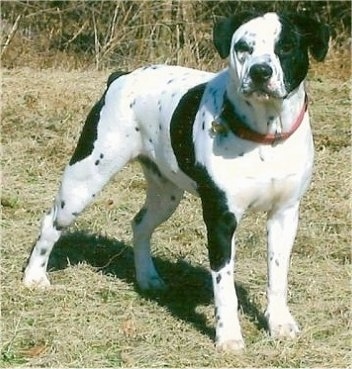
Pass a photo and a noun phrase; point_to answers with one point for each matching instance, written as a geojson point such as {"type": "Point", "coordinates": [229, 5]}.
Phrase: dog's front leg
{"type": "Point", "coordinates": [281, 228]}
{"type": "Point", "coordinates": [221, 224]}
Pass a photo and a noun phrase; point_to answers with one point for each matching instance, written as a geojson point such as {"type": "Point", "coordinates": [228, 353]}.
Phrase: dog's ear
{"type": "Point", "coordinates": [316, 35]}
{"type": "Point", "coordinates": [224, 29]}
{"type": "Point", "coordinates": [222, 35]}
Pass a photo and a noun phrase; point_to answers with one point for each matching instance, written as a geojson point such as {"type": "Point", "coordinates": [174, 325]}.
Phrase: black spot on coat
{"type": "Point", "coordinates": [140, 215]}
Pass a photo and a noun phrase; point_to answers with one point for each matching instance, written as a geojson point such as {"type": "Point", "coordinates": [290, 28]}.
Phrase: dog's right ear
{"type": "Point", "coordinates": [224, 29]}
{"type": "Point", "coordinates": [222, 35]}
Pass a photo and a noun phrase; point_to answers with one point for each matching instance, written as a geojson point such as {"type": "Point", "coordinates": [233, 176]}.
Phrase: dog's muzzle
{"type": "Point", "coordinates": [262, 82]}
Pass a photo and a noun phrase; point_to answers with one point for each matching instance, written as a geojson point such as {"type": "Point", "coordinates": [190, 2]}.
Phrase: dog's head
{"type": "Point", "coordinates": [268, 54]}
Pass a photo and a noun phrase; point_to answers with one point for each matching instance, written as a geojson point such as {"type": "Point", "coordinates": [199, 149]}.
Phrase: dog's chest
{"type": "Point", "coordinates": [258, 176]}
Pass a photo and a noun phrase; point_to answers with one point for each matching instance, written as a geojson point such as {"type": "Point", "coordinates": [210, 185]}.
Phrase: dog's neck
{"type": "Point", "coordinates": [267, 116]}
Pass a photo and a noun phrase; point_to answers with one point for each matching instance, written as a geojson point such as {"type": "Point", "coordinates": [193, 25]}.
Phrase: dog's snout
{"type": "Point", "coordinates": [260, 72]}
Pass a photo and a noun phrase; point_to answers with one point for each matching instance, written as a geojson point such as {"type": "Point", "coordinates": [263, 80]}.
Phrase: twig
{"type": "Point", "coordinates": [96, 43]}
{"type": "Point", "coordinates": [77, 33]}
{"type": "Point", "coordinates": [113, 23]}
{"type": "Point", "coordinates": [112, 258]}
{"type": "Point", "coordinates": [11, 35]}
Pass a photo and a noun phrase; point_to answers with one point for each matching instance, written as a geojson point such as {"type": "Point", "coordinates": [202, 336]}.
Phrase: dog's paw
{"type": "Point", "coordinates": [282, 324]}
{"type": "Point", "coordinates": [35, 280]}
{"type": "Point", "coordinates": [153, 283]}
{"type": "Point", "coordinates": [230, 345]}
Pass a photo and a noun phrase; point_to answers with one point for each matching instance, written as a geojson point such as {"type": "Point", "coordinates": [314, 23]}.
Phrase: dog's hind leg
{"type": "Point", "coordinates": [100, 153]}
{"type": "Point", "coordinates": [80, 185]}
{"type": "Point", "coordinates": [162, 200]}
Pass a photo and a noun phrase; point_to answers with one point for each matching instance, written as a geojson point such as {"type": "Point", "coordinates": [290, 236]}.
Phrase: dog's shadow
{"type": "Point", "coordinates": [188, 286]}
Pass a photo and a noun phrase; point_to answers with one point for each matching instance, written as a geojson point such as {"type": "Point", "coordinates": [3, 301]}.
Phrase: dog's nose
{"type": "Point", "coordinates": [260, 72]}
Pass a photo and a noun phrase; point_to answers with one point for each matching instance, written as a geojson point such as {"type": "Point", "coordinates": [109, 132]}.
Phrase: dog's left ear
{"type": "Point", "coordinates": [316, 35]}
{"type": "Point", "coordinates": [224, 29]}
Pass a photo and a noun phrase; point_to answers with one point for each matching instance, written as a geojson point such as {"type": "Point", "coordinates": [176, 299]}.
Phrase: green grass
{"type": "Point", "coordinates": [93, 315]}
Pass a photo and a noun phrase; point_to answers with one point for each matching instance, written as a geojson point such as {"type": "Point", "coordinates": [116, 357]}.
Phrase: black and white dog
{"type": "Point", "coordinates": [240, 139]}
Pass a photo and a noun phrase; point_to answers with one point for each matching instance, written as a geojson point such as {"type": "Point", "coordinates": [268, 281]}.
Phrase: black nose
{"type": "Point", "coordinates": [260, 72]}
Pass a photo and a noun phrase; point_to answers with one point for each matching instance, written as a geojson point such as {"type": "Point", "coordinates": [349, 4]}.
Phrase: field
{"type": "Point", "coordinates": [93, 315]}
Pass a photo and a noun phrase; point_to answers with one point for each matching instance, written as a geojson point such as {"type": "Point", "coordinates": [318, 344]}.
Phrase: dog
{"type": "Point", "coordinates": [239, 139]}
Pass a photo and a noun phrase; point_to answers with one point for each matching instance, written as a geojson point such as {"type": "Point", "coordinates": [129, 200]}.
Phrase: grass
{"type": "Point", "coordinates": [93, 315]}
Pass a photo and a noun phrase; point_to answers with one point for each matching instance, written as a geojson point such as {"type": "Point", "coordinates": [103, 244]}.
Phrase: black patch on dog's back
{"type": "Point", "coordinates": [221, 223]}
{"type": "Point", "coordinates": [114, 76]}
{"type": "Point", "coordinates": [89, 132]}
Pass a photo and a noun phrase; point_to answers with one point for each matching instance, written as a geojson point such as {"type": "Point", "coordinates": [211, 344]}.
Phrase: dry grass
{"type": "Point", "coordinates": [93, 316]}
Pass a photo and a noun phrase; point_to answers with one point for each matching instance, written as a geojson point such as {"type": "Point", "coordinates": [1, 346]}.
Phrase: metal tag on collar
{"type": "Point", "coordinates": [218, 128]}
{"type": "Point", "coordinates": [279, 137]}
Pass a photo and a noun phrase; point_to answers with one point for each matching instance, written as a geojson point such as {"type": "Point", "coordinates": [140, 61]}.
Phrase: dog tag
{"type": "Point", "coordinates": [218, 128]}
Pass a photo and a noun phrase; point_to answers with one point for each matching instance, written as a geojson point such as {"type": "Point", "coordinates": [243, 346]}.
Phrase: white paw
{"type": "Point", "coordinates": [35, 280]}
{"type": "Point", "coordinates": [151, 283]}
{"type": "Point", "coordinates": [282, 324]}
{"type": "Point", "coordinates": [230, 345]}
{"type": "Point", "coordinates": [229, 337]}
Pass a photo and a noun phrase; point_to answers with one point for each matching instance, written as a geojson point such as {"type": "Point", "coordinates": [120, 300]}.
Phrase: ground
{"type": "Point", "coordinates": [94, 315]}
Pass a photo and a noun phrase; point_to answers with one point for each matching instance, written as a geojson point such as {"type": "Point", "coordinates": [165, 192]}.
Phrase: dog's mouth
{"type": "Point", "coordinates": [263, 91]}
{"type": "Point", "coordinates": [262, 94]}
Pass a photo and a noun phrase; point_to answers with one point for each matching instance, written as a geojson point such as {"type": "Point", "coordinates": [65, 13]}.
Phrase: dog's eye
{"type": "Point", "coordinates": [242, 47]}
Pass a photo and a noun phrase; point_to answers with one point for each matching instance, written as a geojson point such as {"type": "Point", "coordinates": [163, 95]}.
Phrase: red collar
{"type": "Point", "coordinates": [244, 132]}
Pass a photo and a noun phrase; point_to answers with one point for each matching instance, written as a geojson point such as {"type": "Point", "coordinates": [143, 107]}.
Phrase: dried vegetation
{"type": "Point", "coordinates": [93, 316]}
